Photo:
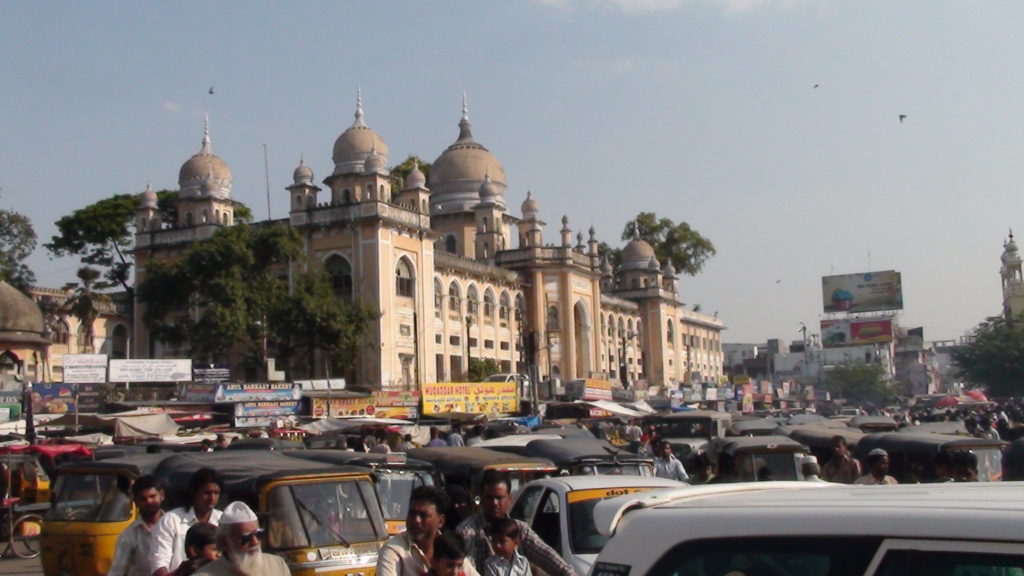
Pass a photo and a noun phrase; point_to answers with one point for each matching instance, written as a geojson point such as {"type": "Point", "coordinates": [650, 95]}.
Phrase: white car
{"type": "Point", "coordinates": [560, 510]}
{"type": "Point", "coordinates": [815, 529]}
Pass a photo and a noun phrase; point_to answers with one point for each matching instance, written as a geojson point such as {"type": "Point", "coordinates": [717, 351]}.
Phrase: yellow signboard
{"type": "Point", "coordinates": [582, 495]}
{"type": "Point", "coordinates": [470, 397]}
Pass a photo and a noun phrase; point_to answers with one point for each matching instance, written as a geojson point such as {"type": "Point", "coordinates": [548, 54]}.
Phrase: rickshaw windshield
{"type": "Point", "coordinates": [990, 464]}
{"type": "Point", "coordinates": [90, 498]}
{"type": "Point", "coordinates": [767, 466]}
{"type": "Point", "coordinates": [394, 487]}
{"type": "Point", "coordinates": [323, 514]}
{"type": "Point", "coordinates": [624, 469]}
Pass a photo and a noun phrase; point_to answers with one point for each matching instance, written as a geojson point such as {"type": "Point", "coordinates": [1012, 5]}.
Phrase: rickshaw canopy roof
{"type": "Point", "coordinates": [740, 444]}
{"type": "Point", "coordinates": [929, 444]}
{"type": "Point", "coordinates": [362, 459]}
{"type": "Point", "coordinates": [462, 460]}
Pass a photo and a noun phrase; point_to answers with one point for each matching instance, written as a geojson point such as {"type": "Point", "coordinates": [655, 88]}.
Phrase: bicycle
{"type": "Point", "coordinates": [21, 529]}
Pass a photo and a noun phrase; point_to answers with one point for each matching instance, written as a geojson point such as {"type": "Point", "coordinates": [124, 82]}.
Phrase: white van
{"type": "Point", "coordinates": [815, 529]}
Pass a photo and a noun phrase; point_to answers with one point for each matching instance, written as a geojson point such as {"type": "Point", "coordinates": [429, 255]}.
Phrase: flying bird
{"type": "Point", "coordinates": [902, 118]}
{"type": "Point", "coordinates": [211, 89]}
{"type": "Point", "coordinates": [813, 87]}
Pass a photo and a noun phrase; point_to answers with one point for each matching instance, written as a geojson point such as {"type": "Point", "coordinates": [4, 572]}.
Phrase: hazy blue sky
{"type": "Point", "coordinates": [703, 111]}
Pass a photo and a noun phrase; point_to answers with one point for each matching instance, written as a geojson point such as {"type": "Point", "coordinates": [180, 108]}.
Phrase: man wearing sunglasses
{"type": "Point", "coordinates": [238, 538]}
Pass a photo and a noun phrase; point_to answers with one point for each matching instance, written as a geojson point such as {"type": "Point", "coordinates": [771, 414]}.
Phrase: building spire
{"type": "Point", "coordinates": [206, 149]}
{"type": "Point", "coordinates": [464, 125]}
{"type": "Point", "coordinates": [359, 123]}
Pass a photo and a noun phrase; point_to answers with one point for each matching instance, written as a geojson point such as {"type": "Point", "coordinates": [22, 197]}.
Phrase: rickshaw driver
{"type": "Point", "coordinates": [495, 502]}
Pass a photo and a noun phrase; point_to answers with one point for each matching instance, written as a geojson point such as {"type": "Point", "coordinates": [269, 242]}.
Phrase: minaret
{"type": "Point", "coordinates": [303, 192]}
{"type": "Point", "coordinates": [414, 194]}
{"type": "Point", "coordinates": [146, 215]}
{"type": "Point", "coordinates": [1013, 283]}
{"type": "Point", "coordinates": [489, 215]}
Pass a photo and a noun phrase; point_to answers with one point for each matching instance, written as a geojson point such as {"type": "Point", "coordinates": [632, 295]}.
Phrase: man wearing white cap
{"type": "Point", "coordinates": [878, 469]}
{"type": "Point", "coordinates": [238, 539]}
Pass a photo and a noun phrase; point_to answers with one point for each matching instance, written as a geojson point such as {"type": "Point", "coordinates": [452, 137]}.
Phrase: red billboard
{"type": "Point", "coordinates": [840, 333]}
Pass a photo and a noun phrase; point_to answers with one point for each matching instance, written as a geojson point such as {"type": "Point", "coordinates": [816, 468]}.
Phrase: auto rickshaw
{"type": "Point", "coordinates": [91, 506]}
{"type": "Point", "coordinates": [465, 466]}
{"type": "Point", "coordinates": [585, 457]}
{"type": "Point", "coordinates": [912, 456]}
{"type": "Point", "coordinates": [757, 458]}
{"type": "Point", "coordinates": [395, 476]}
{"type": "Point", "coordinates": [321, 518]}
{"type": "Point", "coordinates": [818, 438]}
{"type": "Point", "coordinates": [689, 432]}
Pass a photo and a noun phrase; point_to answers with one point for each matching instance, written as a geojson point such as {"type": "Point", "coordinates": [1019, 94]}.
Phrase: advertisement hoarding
{"type": "Point", "coordinates": [60, 398]}
{"type": "Point", "coordinates": [470, 397]}
{"type": "Point", "coordinates": [171, 370]}
{"type": "Point", "coordinates": [840, 333]}
{"type": "Point", "coordinates": [867, 292]}
{"type": "Point", "coordinates": [370, 406]}
{"type": "Point", "coordinates": [85, 368]}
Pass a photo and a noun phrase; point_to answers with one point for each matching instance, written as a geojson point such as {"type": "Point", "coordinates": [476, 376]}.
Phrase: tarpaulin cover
{"type": "Point", "coordinates": [145, 426]}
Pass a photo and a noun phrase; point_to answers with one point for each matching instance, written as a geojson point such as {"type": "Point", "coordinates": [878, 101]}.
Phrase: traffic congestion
{"type": "Point", "coordinates": [510, 496]}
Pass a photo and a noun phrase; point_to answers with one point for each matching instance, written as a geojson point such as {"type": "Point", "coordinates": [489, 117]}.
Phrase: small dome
{"type": "Point", "coordinates": [352, 148]}
{"type": "Point", "coordinates": [194, 173]}
{"type": "Point", "coordinates": [530, 207]}
{"type": "Point", "coordinates": [21, 320]}
{"type": "Point", "coordinates": [375, 163]}
{"type": "Point", "coordinates": [488, 191]}
{"type": "Point", "coordinates": [653, 264]}
{"type": "Point", "coordinates": [1010, 252]}
{"type": "Point", "coordinates": [148, 199]}
{"type": "Point", "coordinates": [415, 180]}
{"type": "Point", "coordinates": [303, 174]}
{"type": "Point", "coordinates": [637, 254]}
{"type": "Point", "coordinates": [606, 268]}
{"type": "Point", "coordinates": [669, 269]}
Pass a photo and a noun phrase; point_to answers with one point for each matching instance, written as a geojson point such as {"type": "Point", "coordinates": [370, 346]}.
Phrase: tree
{"type": "Point", "coordinates": [676, 243]}
{"type": "Point", "coordinates": [220, 293]}
{"type": "Point", "coordinates": [17, 241]}
{"type": "Point", "coordinates": [84, 304]}
{"type": "Point", "coordinates": [314, 319]}
{"type": "Point", "coordinates": [401, 172]}
{"type": "Point", "coordinates": [481, 368]}
{"type": "Point", "coordinates": [860, 382]}
{"type": "Point", "coordinates": [994, 357]}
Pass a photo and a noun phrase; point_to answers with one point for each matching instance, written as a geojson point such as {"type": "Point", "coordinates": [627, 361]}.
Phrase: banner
{"type": "Point", "coordinates": [211, 373]}
{"type": "Point", "coordinates": [271, 408]}
{"type": "Point", "coordinates": [59, 398]}
{"type": "Point", "coordinates": [257, 392]}
{"type": "Point", "coordinates": [148, 370]}
{"type": "Point", "coordinates": [840, 333]}
{"type": "Point", "coordinates": [85, 368]}
{"type": "Point", "coordinates": [470, 397]}
{"type": "Point", "coordinates": [868, 292]}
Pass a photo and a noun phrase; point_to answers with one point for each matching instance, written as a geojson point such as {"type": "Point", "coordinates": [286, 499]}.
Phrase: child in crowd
{"type": "Point", "coordinates": [200, 547]}
{"type": "Point", "coordinates": [449, 556]}
{"type": "Point", "coordinates": [506, 560]}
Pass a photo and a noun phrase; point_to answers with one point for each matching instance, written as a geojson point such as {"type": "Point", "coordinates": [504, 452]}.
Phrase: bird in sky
{"type": "Point", "coordinates": [813, 87]}
{"type": "Point", "coordinates": [211, 89]}
{"type": "Point", "coordinates": [902, 118]}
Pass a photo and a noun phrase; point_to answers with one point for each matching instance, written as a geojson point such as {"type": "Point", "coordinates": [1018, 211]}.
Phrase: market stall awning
{"type": "Point", "coordinates": [613, 407]}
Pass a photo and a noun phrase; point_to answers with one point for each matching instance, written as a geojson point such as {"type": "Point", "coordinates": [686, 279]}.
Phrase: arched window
{"type": "Point", "coordinates": [488, 304]}
{"type": "Point", "coordinates": [611, 326]}
{"type": "Point", "coordinates": [119, 347]}
{"type": "Point", "coordinates": [405, 282]}
{"type": "Point", "coordinates": [206, 216]}
{"type": "Point", "coordinates": [340, 272]}
{"type": "Point", "coordinates": [503, 306]}
{"type": "Point", "coordinates": [671, 333]}
{"type": "Point", "coordinates": [449, 243]}
{"type": "Point", "coordinates": [622, 328]}
{"type": "Point", "coordinates": [454, 296]}
{"type": "Point", "coordinates": [438, 294]}
{"type": "Point", "coordinates": [224, 218]}
{"type": "Point", "coordinates": [472, 300]}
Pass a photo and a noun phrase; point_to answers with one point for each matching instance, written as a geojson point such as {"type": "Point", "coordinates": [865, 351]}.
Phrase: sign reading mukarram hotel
{"type": "Point", "coordinates": [866, 292]}
{"type": "Point", "coordinates": [470, 397]}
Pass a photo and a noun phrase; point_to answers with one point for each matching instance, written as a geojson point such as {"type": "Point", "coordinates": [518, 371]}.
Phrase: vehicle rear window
{"type": "Point", "coordinates": [933, 563]}
{"type": "Point", "coordinates": [785, 556]}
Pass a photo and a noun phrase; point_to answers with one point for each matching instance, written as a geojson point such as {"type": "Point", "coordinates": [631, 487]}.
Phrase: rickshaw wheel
{"type": "Point", "coordinates": [25, 534]}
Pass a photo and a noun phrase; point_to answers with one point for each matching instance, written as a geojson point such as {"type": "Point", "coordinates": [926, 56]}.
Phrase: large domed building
{"type": "Point", "coordinates": [455, 275]}
{"type": "Point", "coordinates": [22, 340]}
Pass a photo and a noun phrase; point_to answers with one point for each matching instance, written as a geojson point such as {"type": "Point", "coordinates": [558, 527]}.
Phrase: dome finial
{"type": "Point", "coordinates": [465, 106]}
{"type": "Point", "coordinates": [207, 148]}
{"type": "Point", "coordinates": [464, 125]}
{"type": "Point", "coordinates": [359, 123]}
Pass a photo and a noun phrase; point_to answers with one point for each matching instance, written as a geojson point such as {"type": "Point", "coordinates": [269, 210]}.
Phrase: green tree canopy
{"type": "Point", "coordinates": [481, 368]}
{"type": "Point", "coordinates": [994, 358]}
{"type": "Point", "coordinates": [17, 241]}
{"type": "Point", "coordinates": [220, 293]}
{"type": "Point", "coordinates": [401, 172]}
{"type": "Point", "coordinates": [676, 243]}
{"type": "Point", "coordinates": [860, 382]}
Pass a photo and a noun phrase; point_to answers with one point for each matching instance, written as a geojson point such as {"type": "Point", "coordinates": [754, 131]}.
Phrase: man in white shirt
{"type": "Point", "coordinates": [666, 465]}
{"type": "Point", "coordinates": [168, 545]}
{"type": "Point", "coordinates": [131, 553]}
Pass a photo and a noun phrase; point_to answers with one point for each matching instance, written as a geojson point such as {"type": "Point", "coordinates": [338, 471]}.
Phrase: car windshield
{"type": "Point", "coordinates": [323, 514]}
{"type": "Point", "coordinates": [91, 498]}
{"type": "Point", "coordinates": [394, 487]}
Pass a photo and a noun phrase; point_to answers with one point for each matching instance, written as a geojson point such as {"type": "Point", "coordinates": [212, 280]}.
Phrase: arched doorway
{"type": "Point", "coordinates": [581, 337]}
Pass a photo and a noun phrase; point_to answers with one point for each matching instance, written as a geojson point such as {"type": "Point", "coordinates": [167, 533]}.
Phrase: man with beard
{"type": "Point", "coordinates": [238, 539]}
{"type": "Point", "coordinates": [131, 553]}
{"type": "Point", "coordinates": [411, 553]}
{"type": "Point", "coordinates": [495, 501]}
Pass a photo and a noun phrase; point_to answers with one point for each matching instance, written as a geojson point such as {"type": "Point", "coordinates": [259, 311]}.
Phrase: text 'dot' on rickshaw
{"type": "Point", "coordinates": [322, 519]}
{"type": "Point", "coordinates": [395, 476]}
{"type": "Point", "coordinates": [91, 506]}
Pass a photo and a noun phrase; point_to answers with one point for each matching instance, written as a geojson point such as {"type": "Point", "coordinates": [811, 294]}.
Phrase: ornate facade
{"type": "Point", "coordinates": [454, 273]}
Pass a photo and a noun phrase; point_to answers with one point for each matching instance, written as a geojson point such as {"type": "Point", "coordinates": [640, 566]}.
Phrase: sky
{"type": "Point", "coordinates": [772, 127]}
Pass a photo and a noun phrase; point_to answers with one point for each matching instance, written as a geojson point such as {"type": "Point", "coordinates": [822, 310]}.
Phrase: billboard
{"type": "Point", "coordinates": [470, 397]}
{"type": "Point", "coordinates": [150, 370]}
{"type": "Point", "coordinates": [840, 333]}
{"type": "Point", "coordinates": [868, 292]}
{"type": "Point", "coordinates": [85, 368]}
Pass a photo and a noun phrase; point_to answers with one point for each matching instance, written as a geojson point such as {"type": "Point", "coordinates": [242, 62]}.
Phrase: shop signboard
{"type": "Point", "coordinates": [866, 292]}
{"type": "Point", "coordinates": [61, 398]}
{"type": "Point", "coordinates": [470, 397]}
{"type": "Point", "coordinates": [211, 373]}
{"type": "Point", "coordinates": [859, 332]}
{"type": "Point", "coordinates": [85, 368]}
{"type": "Point", "coordinates": [150, 370]}
{"type": "Point", "coordinates": [257, 392]}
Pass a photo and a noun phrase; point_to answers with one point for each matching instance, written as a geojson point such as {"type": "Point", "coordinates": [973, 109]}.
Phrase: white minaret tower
{"type": "Point", "coordinates": [1013, 282]}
